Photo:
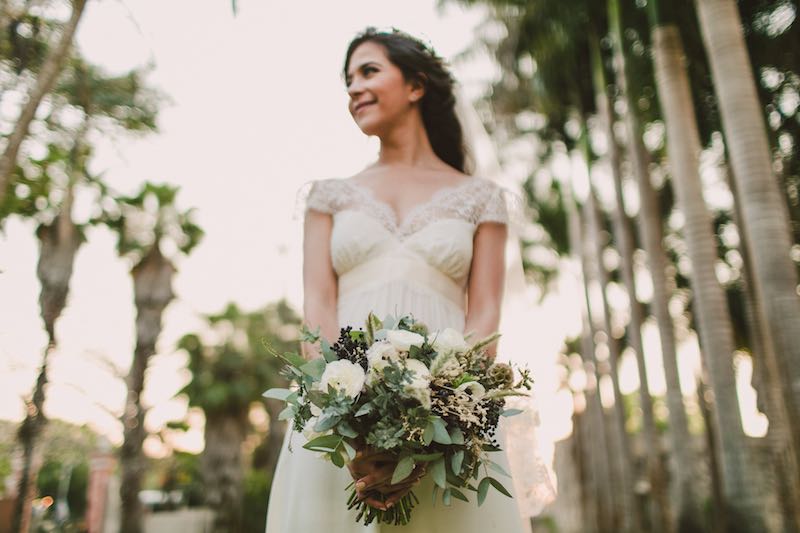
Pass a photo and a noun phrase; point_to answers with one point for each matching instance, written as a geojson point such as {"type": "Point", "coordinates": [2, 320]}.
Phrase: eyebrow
{"type": "Point", "coordinates": [349, 75]}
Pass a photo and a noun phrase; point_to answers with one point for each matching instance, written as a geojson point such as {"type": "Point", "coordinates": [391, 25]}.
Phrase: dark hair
{"type": "Point", "coordinates": [420, 63]}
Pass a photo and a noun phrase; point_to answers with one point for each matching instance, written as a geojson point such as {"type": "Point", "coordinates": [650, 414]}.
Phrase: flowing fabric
{"type": "Point", "coordinates": [418, 266]}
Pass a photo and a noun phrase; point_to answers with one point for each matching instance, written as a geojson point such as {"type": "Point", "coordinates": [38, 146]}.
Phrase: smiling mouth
{"type": "Point", "coordinates": [361, 106]}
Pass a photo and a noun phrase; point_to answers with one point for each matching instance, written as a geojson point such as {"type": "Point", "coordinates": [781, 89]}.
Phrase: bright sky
{"type": "Point", "coordinates": [258, 108]}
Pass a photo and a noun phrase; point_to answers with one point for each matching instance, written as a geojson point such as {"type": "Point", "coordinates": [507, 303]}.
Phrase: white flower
{"type": "Point", "coordinates": [382, 352]}
{"type": "Point", "coordinates": [343, 375]}
{"type": "Point", "coordinates": [449, 340]}
{"type": "Point", "coordinates": [403, 340]}
{"type": "Point", "coordinates": [419, 388]}
{"type": "Point", "coordinates": [474, 390]}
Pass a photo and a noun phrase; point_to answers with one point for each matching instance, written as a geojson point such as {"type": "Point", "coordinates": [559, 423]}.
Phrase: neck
{"type": "Point", "coordinates": [407, 144]}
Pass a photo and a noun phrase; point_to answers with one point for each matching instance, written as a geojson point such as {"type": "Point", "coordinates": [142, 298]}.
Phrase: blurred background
{"type": "Point", "coordinates": [150, 243]}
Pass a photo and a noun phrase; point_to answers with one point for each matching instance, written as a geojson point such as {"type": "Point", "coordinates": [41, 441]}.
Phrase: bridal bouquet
{"type": "Point", "coordinates": [429, 401]}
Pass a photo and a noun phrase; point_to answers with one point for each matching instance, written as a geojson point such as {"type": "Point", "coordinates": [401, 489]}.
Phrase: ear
{"type": "Point", "coordinates": [417, 88]}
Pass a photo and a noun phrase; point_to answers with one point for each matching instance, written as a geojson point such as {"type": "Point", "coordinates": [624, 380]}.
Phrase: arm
{"type": "Point", "coordinates": [486, 281]}
{"type": "Point", "coordinates": [319, 280]}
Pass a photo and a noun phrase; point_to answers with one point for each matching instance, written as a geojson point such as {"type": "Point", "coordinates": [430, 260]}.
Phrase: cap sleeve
{"type": "Point", "coordinates": [319, 195]}
{"type": "Point", "coordinates": [495, 208]}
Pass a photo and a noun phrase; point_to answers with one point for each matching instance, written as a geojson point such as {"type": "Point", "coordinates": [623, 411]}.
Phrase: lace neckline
{"type": "Point", "coordinates": [390, 215]}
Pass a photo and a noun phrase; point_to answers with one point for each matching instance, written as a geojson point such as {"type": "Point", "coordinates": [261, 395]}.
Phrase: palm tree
{"type": "Point", "coordinates": [144, 221]}
{"type": "Point", "coordinates": [764, 218]}
{"type": "Point", "coordinates": [228, 378]}
{"type": "Point", "coordinates": [45, 80]}
{"type": "Point", "coordinates": [745, 498]}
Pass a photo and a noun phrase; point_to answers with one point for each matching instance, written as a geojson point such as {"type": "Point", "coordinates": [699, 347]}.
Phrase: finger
{"type": "Point", "coordinates": [373, 479]}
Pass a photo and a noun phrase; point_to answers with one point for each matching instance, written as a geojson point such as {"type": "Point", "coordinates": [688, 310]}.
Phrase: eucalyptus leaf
{"type": "Point", "coordinates": [446, 498]}
{"type": "Point", "coordinates": [277, 394]}
{"type": "Point", "coordinates": [326, 422]}
{"type": "Point", "coordinates": [440, 433]}
{"type": "Point", "coordinates": [365, 409]}
{"type": "Point", "coordinates": [428, 433]}
{"type": "Point", "coordinates": [345, 429]}
{"type": "Point", "coordinates": [456, 461]}
{"type": "Point", "coordinates": [499, 486]}
{"type": "Point", "coordinates": [314, 368]}
{"type": "Point", "coordinates": [403, 469]}
{"type": "Point", "coordinates": [511, 412]}
{"type": "Point", "coordinates": [497, 468]}
{"type": "Point", "coordinates": [426, 457]}
{"type": "Point", "coordinates": [483, 490]}
{"type": "Point", "coordinates": [327, 351]}
{"type": "Point", "coordinates": [457, 436]}
{"type": "Point", "coordinates": [458, 494]}
{"type": "Point", "coordinates": [337, 459]}
{"type": "Point", "coordinates": [438, 472]}
{"type": "Point", "coordinates": [288, 413]}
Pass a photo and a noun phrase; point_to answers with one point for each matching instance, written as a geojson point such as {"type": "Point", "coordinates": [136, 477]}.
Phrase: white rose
{"type": "Point", "coordinates": [421, 377]}
{"type": "Point", "coordinates": [343, 375]}
{"type": "Point", "coordinates": [474, 390]}
{"type": "Point", "coordinates": [449, 340]}
{"type": "Point", "coordinates": [403, 340]}
{"type": "Point", "coordinates": [382, 352]}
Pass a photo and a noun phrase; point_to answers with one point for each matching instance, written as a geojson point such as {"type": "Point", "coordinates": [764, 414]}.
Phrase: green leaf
{"type": "Point", "coordinates": [446, 500]}
{"type": "Point", "coordinates": [349, 450]}
{"type": "Point", "coordinates": [440, 434]}
{"type": "Point", "coordinates": [426, 457]}
{"type": "Point", "coordinates": [458, 494]}
{"type": "Point", "coordinates": [314, 368]}
{"type": "Point", "coordinates": [497, 468]}
{"type": "Point", "coordinates": [456, 436]}
{"type": "Point", "coordinates": [325, 443]}
{"type": "Point", "coordinates": [511, 412]}
{"type": "Point", "coordinates": [326, 422]}
{"type": "Point", "coordinates": [277, 394]}
{"type": "Point", "coordinates": [293, 359]}
{"type": "Point", "coordinates": [316, 397]}
{"type": "Point", "coordinates": [427, 435]}
{"type": "Point", "coordinates": [439, 473]}
{"type": "Point", "coordinates": [337, 459]}
{"type": "Point", "coordinates": [456, 461]}
{"type": "Point", "coordinates": [288, 413]}
{"type": "Point", "coordinates": [483, 490]}
{"type": "Point", "coordinates": [499, 486]}
{"type": "Point", "coordinates": [403, 469]}
{"type": "Point", "coordinates": [327, 352]}
{"type": "Point", "coordinates": [365, 409]}
{"type": "Point", "coordinates": [346, 430]}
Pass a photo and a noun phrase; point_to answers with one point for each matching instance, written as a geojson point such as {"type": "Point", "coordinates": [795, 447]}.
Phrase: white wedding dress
{"type": "Point", "coordinates": [417, 266]}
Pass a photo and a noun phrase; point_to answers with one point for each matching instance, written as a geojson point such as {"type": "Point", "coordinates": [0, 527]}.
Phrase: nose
{"type": "Point", "coordinates": [355, 88]}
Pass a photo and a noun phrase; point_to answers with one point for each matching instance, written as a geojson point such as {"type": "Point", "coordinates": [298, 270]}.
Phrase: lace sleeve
{"type": "Point", "coordinates": [319, 195]}
{"type": "Point", "coordinates": [495, 209]}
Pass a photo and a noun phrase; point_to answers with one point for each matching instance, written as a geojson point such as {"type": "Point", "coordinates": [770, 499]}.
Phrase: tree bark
{"type": "Point", "coordinates": [51, 68]}
{"type": "Point", "coordinates": [765, 221]}
{"type": "Point", "coordinates": [746, 499]}
{"type": "Point", "coordinates": [152, 281]}
{"type": "Point", "coordinates": [223, 474]}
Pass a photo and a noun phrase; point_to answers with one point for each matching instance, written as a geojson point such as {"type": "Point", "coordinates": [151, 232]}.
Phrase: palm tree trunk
{"type": "Point", "coordinates": [48, 74]}
{"type": "Point", "coordinates": [277, 430]}
{"type": "Point", "coordinates": [624, 465]}
{"type": "Point", "coordinates": [655, 469]}
{"type": "Point", "coordinates": [783, 444]}
{"type": "Point", "coordinates": [597, 496]}
{"type": "Point", "coordinates": [745, 499]}
{"type": "Point", "coordinates": [703, 395]}
{"type": "Point", "coordinates": [223, 474]}
{"type": "Point", "coordinates": [765, 221]}
{"type": "Point", "coordinates": [58, 246]}
{"type": "Point", "coordinates": [152, 282]}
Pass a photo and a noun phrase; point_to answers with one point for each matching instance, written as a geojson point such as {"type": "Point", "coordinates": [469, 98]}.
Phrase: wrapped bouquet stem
{"type": "Point", "coordinates": [395, 402]}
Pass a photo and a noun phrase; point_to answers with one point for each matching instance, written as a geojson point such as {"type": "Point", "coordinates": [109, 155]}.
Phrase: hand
{"type": "Point", "coordinates": [372, 471]}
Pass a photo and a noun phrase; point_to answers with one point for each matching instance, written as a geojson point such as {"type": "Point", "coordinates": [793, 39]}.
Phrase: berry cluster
{"type": "Point", "coordinates": [352, 346]}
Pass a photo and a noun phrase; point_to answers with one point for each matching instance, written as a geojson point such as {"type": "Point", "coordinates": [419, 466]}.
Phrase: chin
{"type": "Point", "coordinates": [370, 127]}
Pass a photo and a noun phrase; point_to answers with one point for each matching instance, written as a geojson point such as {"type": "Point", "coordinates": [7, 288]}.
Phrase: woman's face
{"type": "Point", "coordinates": [379, 94]}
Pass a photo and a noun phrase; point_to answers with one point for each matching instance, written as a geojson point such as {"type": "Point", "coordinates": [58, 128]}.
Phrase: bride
{"type": "Point", "coordinates": [410, 234]}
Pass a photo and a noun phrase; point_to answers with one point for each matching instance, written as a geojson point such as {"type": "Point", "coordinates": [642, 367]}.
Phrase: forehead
{"type": "Point", "coordinates": [365, 53]}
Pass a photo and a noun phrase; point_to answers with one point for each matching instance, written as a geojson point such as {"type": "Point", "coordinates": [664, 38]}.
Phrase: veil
{"type": "Point", "coordinates": [529, 456]}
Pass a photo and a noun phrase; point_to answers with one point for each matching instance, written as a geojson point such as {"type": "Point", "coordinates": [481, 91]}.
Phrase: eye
{"type": "Point", "coordinates": [368, 70]}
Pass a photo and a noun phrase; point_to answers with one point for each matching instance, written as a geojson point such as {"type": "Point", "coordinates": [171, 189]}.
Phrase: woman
{"type": "Point", "coordinates": [410, 234]}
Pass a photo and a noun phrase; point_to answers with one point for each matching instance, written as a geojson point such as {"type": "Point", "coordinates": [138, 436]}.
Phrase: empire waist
{"type": "Point", "coordinates": [395, 267]}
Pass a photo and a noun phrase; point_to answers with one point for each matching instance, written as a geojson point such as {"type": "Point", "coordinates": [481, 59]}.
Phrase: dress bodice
{"type": "Point", "coordinates": [431, 247]}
